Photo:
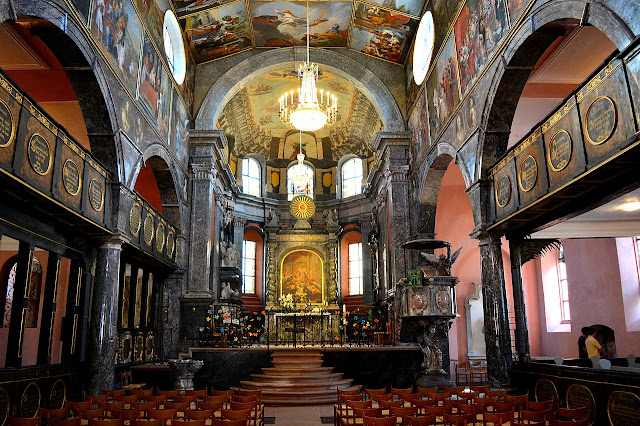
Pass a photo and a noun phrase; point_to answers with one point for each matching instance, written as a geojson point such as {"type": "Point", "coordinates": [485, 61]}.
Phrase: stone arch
{"type": "Point", "coordinates": [237, 77]}
{"type": "Point", "coordinates": [87, 74]}
{"type": "Point", "coordinates": [523, 51]}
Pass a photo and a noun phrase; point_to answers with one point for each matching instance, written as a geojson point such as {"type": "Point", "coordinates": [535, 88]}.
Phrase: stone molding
{"type": "Point", "coordinates": [204, 172]}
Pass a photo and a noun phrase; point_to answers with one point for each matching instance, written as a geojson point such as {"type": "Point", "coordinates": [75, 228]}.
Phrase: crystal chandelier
{"type": "Point", "coordinates": [307, 110]}
{"type": "Point", "coordinates": [300, 174]}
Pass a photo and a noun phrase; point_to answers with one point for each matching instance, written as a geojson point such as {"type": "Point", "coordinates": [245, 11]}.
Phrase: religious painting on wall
{"type": "Point", "coordinates": [284, 23]}
{"type": "Point", "coordinates": [478, 32]}
{"type": "Point", "coordinates": [444, 15]}
{"type": "Point", "coordinates": [153, 92]}
{"type": "Point", "coordinates": [419, 128]}
{"type": "Point", "coordinates": [293, 142]}
{"type": "Point", "coordinates": [217, 32]}
{"type": "Point", "coordinates": [382, 33]}
{"type": "Point", "coordinates": [515, 8]}
{"type": "Point", "coordinates": [83, 7]}
{"type": "Point", "coordinates": [179, 137]}
{"type": "Point", "coordinates": [152, 14]}
{"type": "Point", "coordinates": [302, 277]}
{"type": "Point", "coordinates": [186, 88]}
{"type": "Point", "coordinates": [118, 31]}
{"type": "Point", "coordinates": [411, 7]}
{"type": "Point", "coordinates": [443, 88]}
{"type": "Point", "coordinates": [185, 7]}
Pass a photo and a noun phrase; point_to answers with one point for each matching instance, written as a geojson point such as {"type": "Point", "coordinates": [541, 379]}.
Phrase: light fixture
{"type": "Point", "coordinates": [299, 174]}
{"type": "Point", "coordinates": [630, 206]}
{"type": "Point", "coordinates": [306, 110]}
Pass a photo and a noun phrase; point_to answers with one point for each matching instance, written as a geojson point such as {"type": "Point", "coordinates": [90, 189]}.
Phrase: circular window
{"type": "Point", "coordinates": [423, 49]}
{"type": "Point", "coordinates": [173, 46]}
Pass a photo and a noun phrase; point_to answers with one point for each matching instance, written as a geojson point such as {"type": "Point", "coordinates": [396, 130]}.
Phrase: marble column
{"type": "Point", "coordinates": [104, 316]}
{"type": "Point", "coordinates": [367, 271]}
{"type": "Point", "coordinates": [496, 319]}
{"type": "Point", "coordinates": [170, 315]}
{"type": "Point", "coordinates": [522, 331]}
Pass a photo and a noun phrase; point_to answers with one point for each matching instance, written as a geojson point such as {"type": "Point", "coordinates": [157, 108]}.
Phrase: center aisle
{"type": "Point", "coordinates": [301, 415]}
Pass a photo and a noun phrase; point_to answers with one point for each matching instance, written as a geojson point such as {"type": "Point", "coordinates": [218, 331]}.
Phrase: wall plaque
{"type": "Point", "coordinates": [503, 191]}
{"type": "Point", "coordinates": [581, 396]}
{"type": "Point", "coordinates": [96, 195]}
{"type": "Point", "coordinates": [4, 405]}
{"type": "Point", "coordinates": [560, 150]}
{"type": "Point", "coordinates": [30, 401]}
{"type": "Point", "coordinates": [138, 348]}
{"type": "Point", "coordinates": [623, 408]}
{"type": "Point", "coordinates": [58, 394]}
{"type": "Point", "coordinates": [546, 391]}
{"type": "Point", "coordinates": [171, 244]}
{"type": "Point", "coordinates": [71, 177]}
{"type": "Point", "coordinates": [7, 126]}
{"type": "Point", "coordinates": [148, 230]}
{"type": "Point", "coordinates": [528, 174]}
{"type": "Point", "coordinates": [160, 237]}
{"type": "Point", "coordinates": [601, 120]}
{"type": "Point", "coordinates": [39, 154]}
{"type": "Point", "coordinates": [414, 278]}
{"type": "Point", "coordinates": [148, 354]}
{"type": "Point", "coordinates": [135, 219]}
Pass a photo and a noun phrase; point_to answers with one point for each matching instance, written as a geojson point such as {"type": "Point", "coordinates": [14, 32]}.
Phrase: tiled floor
{"type": "Point", "coordinates": [292, 416]}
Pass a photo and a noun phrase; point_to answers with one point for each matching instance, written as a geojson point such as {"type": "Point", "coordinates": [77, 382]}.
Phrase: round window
{"type": "Point", "coordinates": [173, 46]}
{"type": "Point", "coordinates": [423, 49]}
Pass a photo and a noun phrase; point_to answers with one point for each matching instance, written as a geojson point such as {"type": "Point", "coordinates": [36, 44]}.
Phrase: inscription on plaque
{"type": "Point", "coordinates": [135, 219]}
{"type": "Point", "coordinates": [148, 230]}
{"type": "Point", "coordinates": [601, 120]}
{"type": "Point", "coordinates": [39, 154]}
{"type": "Point", "coordinates": [58, 393]}
{"type": "Point", "coordinates": [623, 408]}
{"type": "Point", "coordinates": [503, 191]}
{"type": "Point", "coordinates": [528, 173]}
{"type": "Point", "coordinates": [581, 396]}
{"type": "Point", "coordinates": [7, 126]}
{"type": "Point", "coordinates": [96, 195]}
{"type": "Point", "coordinates": [546, 390]}
{"type": "Point", "coordinates": [30, 401]}
{"type": "Point", "coordinates": [71, 177]}
{"type": "Point", "coordinates": [560, 149]}
{"type": "Point", "coordinates": [160, 237]}
{"type": "Point", "coordinates": [4, 405]}
{"type": "Point", "coordinates": [171, 244]}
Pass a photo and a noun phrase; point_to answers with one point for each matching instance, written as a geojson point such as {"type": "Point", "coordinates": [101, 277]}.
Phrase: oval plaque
{"type": "Point", "coordinates": [601, 120]}
{"type": "Point", "coordinates": [171, 244]}
{"type": "Point", "coordinates": [58, 393]}
{"type": "Point", "coordinates": [135, 219]}
{"type": "Point", "coordinates": [39, 154]}
{"type": "Point", "coordinates": [623, 408]}
{"type": "Point", "coordinates": [7, 127]}
{"type": "Point", "coordinates": [160, 237]}
{"type": "Point", "coordinates": [4, 405]}
{"type": "Point", "coordinates": [148, 230]}
{"type": "Point", "coordinates": [581, 396]}
{"type": "Point", "coordinates": [528, 175]}
{"type": "Point", "coordinates": [503, 191]}
{"type": "Point", "coordinates": [546, 391]}
{"type": "Point", "coordinates": [30, 400]}
{"type": "Point", "coordinates": [560, 150]}
{"type": "Point", "coordinates": [71, 177]}
{"type": "Point", "coordinates": [96, 195]}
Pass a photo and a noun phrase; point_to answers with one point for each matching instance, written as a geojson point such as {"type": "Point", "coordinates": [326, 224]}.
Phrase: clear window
{"type": "Point", "coordinates": [636, 246]}
{"type": "Point", "coordinates": [352, 177]}
{"type": "Point", "coordinates": [251, 177]}
{"type": "Point", "coordinates": [174, 47]}
{"type": "Point", "coordinates": [248, 266]}
{"type": "Point", "coordinates": [300, 180]}
{"type": "Point", "coordinates": [563, 286]}
{"type": "Point", "coordinates": [355, 268]}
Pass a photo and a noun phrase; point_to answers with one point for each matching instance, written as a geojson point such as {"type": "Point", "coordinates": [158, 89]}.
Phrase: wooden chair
{"type": "Point", "coordinates": [127, 399]}
{"type": "Point", "coordinates": [403, 412]}
{"type": "Point", "coordinates": [74, 421]}
{"type": "Point", "coordinates": [583, 422]}
{"type": "Point", "coordinates": [392, 403]}
{"type": "Point", "coordinates": [481, 389]}
{"type": "Point", "coordinates": [239, 398]}
{"type": "Point", "coordinates": [144, 407]}
{"type": "Point", "coordinates": [227, 422]}
{"type": "Point", "coordinates": [146, 422]}
{"type": "Point", "coordinates": [439, 397]}
{"type": "Point", "coordinates": [573, 413]}
{"type": "Point", "coordinates": [253, 406]}
{"type": "Point", "coordinates": [110, 406]}
{"type": "Point", "coordinates": [191, 399]}
{"type": "Point", "coordinates": [473, 409]}
{"type": "Point", "coordinates": [421, 420]}
{"type": "Point", "coordinates": [400, 392]}
{"type": "Point", "coordinates": [178, 422]}
{"type": "Point", "coordinates": [420, 405]}
{"type": "Point", "coordinates": [453, 403]}
{"type": "Point", "coordinates": [478, 370]}
{"type": "Point", "coordinates": [55, 413]}
{"type": "Point", "coordinates": [350, 418]}
{"type": "Point", "coordinates": [438, 411]}
{"type": "Point", "coordinates": [536, 416]}
{"type": "Point", "coordinates": [21, 421]}
{"type": "Point", "coordinates": [215, 398]}
{"type": "Point", "coordinates": [76, 407]}
{"type": "Point", "coordinates": [105, 422]}
{"type": "Point", "coordinates": [453, 390]}
{"type": "Point", "coordinates": [198, 414]}
{"type": "Point", "coordinates": [411, 397]}
{"type": "Point", "coordinates": [539, 405]}
{"type": "Point", "coordinates": [503, 407]}
{"type": "Point", "coordinates": [199, 393]}
{"type": "Point", "coordinates": [227, 393]}
{"type": "Point", "coordinates": [427, 391]}
{"type": "Point", "coordinates": [163, 415]}
{"type": "Point", "coordinates": [383, 397]}
{"type": "Point", "coordinates": [462, 372]}
{"type": "Point", "coordinates": [370, 392]}
{"type": "Point", "coordinates": [459, 419]}
{"type": "Point", "coordinates": [379, 421]}
{"type": "Point", "coordinates": [180, 407]}
{"type": "Point", "coordinates": [497, 418]}
{"type": "Point", "coordinates": [90, 414]}
{"type": "Point", "coordinates": [236, 415]}
{"type": "Point", "coordinates": [340, 410]}
{"type": "Point", "coordinates": [498, 394]}
{"type": "Point", "coordinates": [97, 399]}
{"type": "Point", "coordinates": [131, 414]}
{"type": "Point", "coordinates": [369, 412]}
{"type": "Point", "coordinates": [141, 393]}
{"type": "Point", "coordinates": [168, 393]}
{"type": "Point", "coordinates": [158, 399]}
{"type": "Point", "coordinates": [215, 406]}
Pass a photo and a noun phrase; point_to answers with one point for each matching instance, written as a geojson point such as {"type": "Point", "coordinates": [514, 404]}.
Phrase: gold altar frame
{"type": "Point", "coordinates": [322, 286]}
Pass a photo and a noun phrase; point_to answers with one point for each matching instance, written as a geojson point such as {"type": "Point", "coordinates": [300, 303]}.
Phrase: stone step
{"type": "Point", "coordinates": [306, 401]}
{"type": "Point", "coordinates": [283, 380]}
{"type": "Point", "coordinates": [271, 397]}
{"type": "Point", "coordinates": [296, 371]}
{"type": "Point", "coordinates": [295, 387]}
{"type": "Point", "coordinates": [297, 362]}
{"type": "Point", "coordinates": [296, 353]}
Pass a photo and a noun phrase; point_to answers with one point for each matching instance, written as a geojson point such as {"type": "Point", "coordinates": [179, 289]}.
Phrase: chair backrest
{"type": "Point", "coordinates": [195, 392]}
{"type": "Point", "coordinates": [504, 407]}
{"type": "Point", "coordinates": [178, 406]}
{"type": "Point", "coordinates": [420, 420]}
{"type": "Point", "coordinates": [439, 411]}
{"type": "Point", "coordinates": [427, 391]}
{"type": "Point", "coordinates": [383, 397]}
{"type": "Point", "coordinates": [424, 403]}
{"type": "Point", "coordinates": [498, 393]}
{"type": "Point", "coordinates": [227, 422]}
{"type": "Point", "coordinates": [127, 399]}
{"type": "Point", "coordinates": [105, 422]}
{"type": "Point", "coordinates": [185, 398]}
{"type": "Point", "coordinates": [55, 413]}
{"type": "Point", "coordinates": [215, 398]}
{"type": "Point", "coordinates": [177, 422]}
{"type": "Point", "coordinates": [573, 413]}
{"type": "Point", "coordinates": [380, 421]}
{"type": "Point", "coordinates": [126, 414]}
{"type": "Point", "coordinates": [249, 398]}
{"type": "Point", "coordinates": [498, 418]}
{"type": "Point", "coordinates": [536, 416]}
{"type": "Point", "coordinates": [401, 391]}
{"type": "Point", "coordinates": [227, 393]}
{"type": "Point", "coordinates": [20, 421]}
{"type": "Point", "coordinates": [243, 405]}
{"type": "Point", "coordinates": [90, 413]}
{"type": "Point", "coordinates": [391, 403]}
{"type": "Point", "coordinates": [74, 421]}
{"type": "Point", "coordinates": [471, 409]}
{"type": "Point", "coordinates": [412, 397]}
{"type": "Point", "coordinates": [168, 393]}
{"type": "Point", "coordinates": [369, 412]}
{"type": "Point", "coordinates": [359, 404]}
{"type": "Point", "coordinates": [215, 406]}
{"type": "Point", "coordinates": [146, 422]}
{"type": "Point", "coordinates": [453, 389]}
{"type": "Point", "coordinates": [459, 419]}
{"type": "Point", "coordinates": [456, 403]}
{"type": "Point", "coordinates": [539, 405]}
{"type": "Point", "coordinates": [166, 414]}
{"type": "Point", "coordinates": [583, 422]}
{"type": "Point", "coordinates": [403, 412]}
{"type": "Point", "coordinates": [236, 414]}
{"type": "Point", "coordinates": [438, 396]}
{"type": "Point", "coordinates": [370, 392]}
{"type": "Point", "coordinates": [158, 399]}
{"type": "Point", "coordinates": [198, 414]}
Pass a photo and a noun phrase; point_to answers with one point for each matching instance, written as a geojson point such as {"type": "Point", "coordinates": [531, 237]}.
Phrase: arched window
{"type": "Point", "coordinates": [8, 296]}
{"type": "Point", "coordinates": [352, 177]}
{"type": "Point", "coordinates": [636, 246]}
{"type": "Point", "coordinates": [33, 297]}
{"type": "Point", "coordinates": [251, 177]}
{"type": "Point", "coordinates": [355, 269]}
{"type": "Point", "coordinates": [248, 266]}
{"type": "Point", "coordinates": [300, 180]}
{"type": "Point", "coordinates": [563, 286]}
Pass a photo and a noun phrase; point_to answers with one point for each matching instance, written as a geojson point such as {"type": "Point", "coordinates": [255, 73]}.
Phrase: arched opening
{"type": "Point", "coordinates": [157, 183]}
{"type": "Point", "coordinates": [351, 276]}
{"type": "Point", "coordinates": [147, 186]}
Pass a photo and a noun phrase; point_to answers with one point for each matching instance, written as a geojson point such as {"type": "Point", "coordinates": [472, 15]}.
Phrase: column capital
{"type": "Point", "coordinates": [396, 173]}
{"type": "Point", "coordinates": [485, 237]}
{"type": "Point", "coordinates": [205, 171]}
{"type": "Point", "coordinates": [113, 242]}
{"type": "Point", "coordinates": [239, 221]}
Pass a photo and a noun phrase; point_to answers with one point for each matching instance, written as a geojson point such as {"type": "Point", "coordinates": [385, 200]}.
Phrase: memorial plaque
{"type": "Point", "coordinates": [581, 396]}
{"type": "Point", "coordinates": [148, 230]}
{"type": "Point", "coordinates": [71, 177]}
{"type": "Point", "coordinates": [135, 219]}
{"type": "Point", "coordinates": [148, 354]}
{"type": "Point", "coordinates": [560, 149]}
{"type": "Point", "coordinates": [96, 195]}
{"type": "Point", "coordinates": [126, 349]}
{"type": "Point", "coordinates": [503, 191]}
{"type": "Point", "coordinates": [171, 244]}
{"type": "Point", "coordinates": [546, 391]}
{"type": "Point", "coordinates": [138, 348]}
{"type": "Point", "coordinates": [39, 154]}
{"type": "Point", "coordinates": [4, 405]}
{"type": "Point", "coordinates": [7, 125]}
{"type": "Point", "coordinates": [414, 278]}
{"type": "Point", "coordinates": [528, 174]}
{"type": "Point", "coordinates": [58, 394]}
{"type": "Point", "coordinates": [602, 118]}
{"type": "Point", "coordinates": [30, 401]}
{"type": "Point", "coordinates": [160, 237]}
{"type": "Point", "coordinates": [624, 409]}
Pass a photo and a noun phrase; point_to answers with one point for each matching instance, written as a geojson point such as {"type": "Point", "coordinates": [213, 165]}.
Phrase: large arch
{"type": "Point", "coordinates": [361, 77]}
{"type": "Point", "coordinates": [521, 54]}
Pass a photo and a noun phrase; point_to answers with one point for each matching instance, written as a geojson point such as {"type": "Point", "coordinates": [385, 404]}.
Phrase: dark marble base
{"type": "Point", "coordinates": [193, 315]}
{"type": "Point", "coordinates": [225, 368]}
{"type": "Point", "coordinates": [433, 380]}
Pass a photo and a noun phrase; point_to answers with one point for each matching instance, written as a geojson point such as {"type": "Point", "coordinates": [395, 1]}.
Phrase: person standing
{"type": "Point", "coordinates": [593, 346]}
{"type": "Point", "coordinates": [582, 347]}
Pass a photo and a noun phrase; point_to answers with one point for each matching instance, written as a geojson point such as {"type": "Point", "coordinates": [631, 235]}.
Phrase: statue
{"type": "Point", "coordinates": [227, 292]}
{"type": "Point", "coordinates": [439, 265]}
{"type": "Point", "coordinates": [331, 219]}
{"type": "Point", "coordinates": [230, 256]}
{"type": "Point", "coordinates": [273, 219]}
{"type": "Point", "coordinates": [432, 355]}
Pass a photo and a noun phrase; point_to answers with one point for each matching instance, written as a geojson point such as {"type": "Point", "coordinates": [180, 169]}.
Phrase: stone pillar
{"type": "Point", "coordinates": [169, 326]}
{"type": "Point", "coordinates": [104, 316]}
{"type": "Point", "coordinates": [496, 319]}
{"type": "Point", "coordinates": [367, 269]}
{"type": "Point", "coordinates": [238, 232]}
{"type": "Point", "coordinates": [271, 286]}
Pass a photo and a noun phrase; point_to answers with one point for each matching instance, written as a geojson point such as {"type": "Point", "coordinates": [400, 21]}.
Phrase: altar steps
{"type": "Point", "coordinates": [297, 378]}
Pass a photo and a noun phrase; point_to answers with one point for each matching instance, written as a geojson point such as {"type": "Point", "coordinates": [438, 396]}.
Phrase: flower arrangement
{"type": "Point", "coordinates": [287, 303]}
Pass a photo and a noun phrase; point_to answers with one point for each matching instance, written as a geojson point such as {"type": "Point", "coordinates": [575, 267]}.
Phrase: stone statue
{"type": "Point", "coordinates": [432, 355]}
{"type": "Point", "coordinates": [331, 218]}
{"type": "Point", "coordinates": [439, 265]}
{"type": "Point", "coordinates": [230, 256]}
{"type": "Point", "coordinates": [227, 292]}
{"type": "Point", "coordinates": [273, 218]}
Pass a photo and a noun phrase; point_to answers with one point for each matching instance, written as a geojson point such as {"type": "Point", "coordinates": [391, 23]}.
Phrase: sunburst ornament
{"type": "Point", "coordinates": [302, 207]}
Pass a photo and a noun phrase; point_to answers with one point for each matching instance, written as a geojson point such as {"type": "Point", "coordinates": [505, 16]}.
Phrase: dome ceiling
{"type": "Point", "coordinates": [252, 124]}
{"type": "Point", "coordinates": [217, 28]}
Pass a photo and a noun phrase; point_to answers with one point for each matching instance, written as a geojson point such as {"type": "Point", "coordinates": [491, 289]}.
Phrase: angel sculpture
{"type": "Point", "coordinates": [439, 265]}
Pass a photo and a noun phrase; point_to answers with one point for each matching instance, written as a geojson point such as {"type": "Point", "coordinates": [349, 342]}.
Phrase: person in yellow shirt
{"type": "Point", "coordinates": [593, 346]}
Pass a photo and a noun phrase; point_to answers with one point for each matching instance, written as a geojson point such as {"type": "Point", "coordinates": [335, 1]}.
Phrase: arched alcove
{"type": "Point", "coordinates": [157, 161]}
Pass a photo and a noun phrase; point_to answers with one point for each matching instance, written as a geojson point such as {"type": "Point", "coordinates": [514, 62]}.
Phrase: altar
{"type": "Point", "coordinates": [303, 328]}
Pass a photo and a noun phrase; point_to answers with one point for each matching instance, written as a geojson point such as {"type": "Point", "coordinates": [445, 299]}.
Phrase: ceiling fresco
{"type": "Point", "coordinates": [252, 124]}
{"type": "Point", "coordinates": [380, 28]}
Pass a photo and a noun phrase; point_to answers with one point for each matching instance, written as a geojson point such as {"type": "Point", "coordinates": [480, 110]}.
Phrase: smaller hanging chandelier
{"type": "Point", "coordinates": [299, 174]}
{"type": "Point", "coordinates": [307, 110]}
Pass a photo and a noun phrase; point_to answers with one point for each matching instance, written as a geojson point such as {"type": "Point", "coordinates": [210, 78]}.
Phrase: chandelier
{"type": "Point", "coordinates": [300, 174]}
{"type": "Point", "coordinates": [307, 109]}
